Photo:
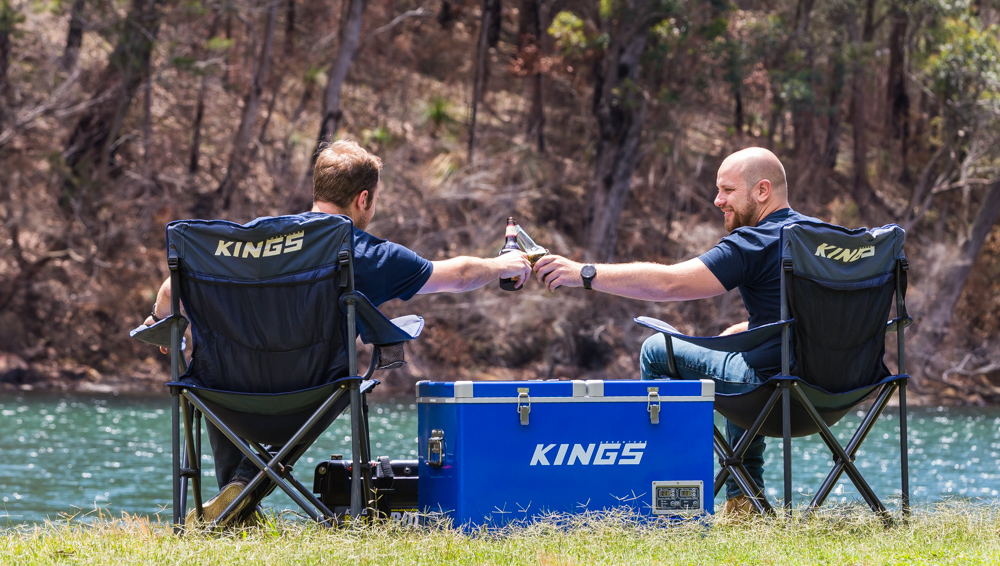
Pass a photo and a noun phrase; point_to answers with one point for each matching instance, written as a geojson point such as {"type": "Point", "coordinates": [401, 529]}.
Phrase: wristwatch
{"type": "Point", "coordinates": [588, 272]}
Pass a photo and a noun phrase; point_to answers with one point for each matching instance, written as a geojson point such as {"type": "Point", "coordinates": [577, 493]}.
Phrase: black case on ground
{"type": "Point", "coordinates": [396, 492]}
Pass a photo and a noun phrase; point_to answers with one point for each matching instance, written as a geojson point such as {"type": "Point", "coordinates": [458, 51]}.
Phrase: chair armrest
{"type": "Point", "coordinates": [375, 328]}
{"type": "Point", "coordinates": [737, 342]}
{"type": "Point", "coordinates": [158, 333]}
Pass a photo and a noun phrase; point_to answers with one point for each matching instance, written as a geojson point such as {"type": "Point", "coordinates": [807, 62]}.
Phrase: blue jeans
{"type": "Point", "coordinates": [730, 373]}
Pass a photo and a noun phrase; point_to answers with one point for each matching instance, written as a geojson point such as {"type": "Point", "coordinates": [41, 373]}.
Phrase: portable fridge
{"type": "Point", "coordinates": [491, 453]}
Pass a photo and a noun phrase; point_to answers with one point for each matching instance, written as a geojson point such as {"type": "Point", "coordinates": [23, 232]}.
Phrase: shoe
{"type": "Point", "coordinates": [215, 506]}
{"type": "Point", "coordinates": [739, 507]}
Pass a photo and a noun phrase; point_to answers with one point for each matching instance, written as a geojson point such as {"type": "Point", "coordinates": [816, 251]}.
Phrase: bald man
{"type": "Point", "coordinates": [753, 196]}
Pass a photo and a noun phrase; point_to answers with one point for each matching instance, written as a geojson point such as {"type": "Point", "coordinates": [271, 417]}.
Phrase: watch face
{"type": "Point", "coordinates": [588, 271]}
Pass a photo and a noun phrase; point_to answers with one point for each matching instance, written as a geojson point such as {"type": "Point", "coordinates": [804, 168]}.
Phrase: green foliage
{"type": "Point", "coordinates": [965, 70]}
{"type": "Point", "coordinates": [438, 112]}
{"type": "Point", "coordinates": [377, 138]}
{"type": "Point", "coordinates": [186, 63]}
{"type": "Point", "coordinates": [314, 75]}
{"type": "Point", "coordinates": [567, 30]}
{"type": "Point", "coordinates": [10, 17]}
{"type": "Point", "coordinates": [219, 44]}
{"type": "Point", "coordinates": [609, 8]}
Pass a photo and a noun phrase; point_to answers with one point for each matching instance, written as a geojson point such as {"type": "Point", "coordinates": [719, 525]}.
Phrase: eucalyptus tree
{"type": "Point", "coordinates": [960, 182]}
{"type": "Point", "coordinates": [89, 149]}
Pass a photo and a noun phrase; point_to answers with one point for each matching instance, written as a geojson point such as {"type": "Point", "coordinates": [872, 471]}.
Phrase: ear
{"type": "Point", "coordinates": [763, 190]}
{"type": "Point", "coordinates": [361, 200]}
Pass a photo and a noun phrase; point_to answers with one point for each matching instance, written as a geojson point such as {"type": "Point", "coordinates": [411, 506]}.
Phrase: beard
{"type": "Point", "coordinates": [742, 218]}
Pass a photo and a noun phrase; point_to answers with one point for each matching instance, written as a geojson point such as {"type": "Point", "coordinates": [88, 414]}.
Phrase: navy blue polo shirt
{"type": "Point", "coordinates": [750, 258]}
{"type": "Point", "coordinates": [385, 270]}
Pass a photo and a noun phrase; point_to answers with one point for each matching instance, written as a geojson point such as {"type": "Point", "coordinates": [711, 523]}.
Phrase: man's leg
{"type": "Point", "coordinates": [226, 455]}
{"type": "Point", "coordinates": [730, 373]}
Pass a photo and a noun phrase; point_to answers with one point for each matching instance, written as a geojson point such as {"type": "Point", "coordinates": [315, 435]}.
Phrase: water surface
{"type": "Point", "coordinates": [66, 455]}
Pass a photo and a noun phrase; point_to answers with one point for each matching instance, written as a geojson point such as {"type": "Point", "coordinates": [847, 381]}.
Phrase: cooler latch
{"type": "Point", "coordinates": [523, 404]}
{"type": "Point", "coordinates": [653, 404]}
{"type": "Point", "coordinates": [435, 448]}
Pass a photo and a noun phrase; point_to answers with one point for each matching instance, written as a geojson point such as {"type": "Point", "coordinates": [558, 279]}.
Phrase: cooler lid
{"type": "Point", "coordinates": [575, 391]}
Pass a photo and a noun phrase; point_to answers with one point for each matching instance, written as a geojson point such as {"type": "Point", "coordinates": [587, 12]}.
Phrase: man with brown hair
{"type": "Point", "coordinates": [346, 182]}
{"type": "Point", "coordinates": [753, 196]}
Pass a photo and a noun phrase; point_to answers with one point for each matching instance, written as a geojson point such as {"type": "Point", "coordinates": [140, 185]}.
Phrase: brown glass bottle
{"type": "Point", "coordinates": [510, 245]}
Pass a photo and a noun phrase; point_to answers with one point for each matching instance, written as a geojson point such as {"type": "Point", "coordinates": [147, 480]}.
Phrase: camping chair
{"type": "Point", "coordinates": [274, 318]}
{"type": "Point", "coordinates": [837, 290]}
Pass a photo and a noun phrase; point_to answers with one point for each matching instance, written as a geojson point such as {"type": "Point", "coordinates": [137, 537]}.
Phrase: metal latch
{"type": "Point", "coordinates": [523, 404]}
{"type": "Point", "coordinates": [435, 448]}
{"type": "Point", "coordinates": [653, 404]}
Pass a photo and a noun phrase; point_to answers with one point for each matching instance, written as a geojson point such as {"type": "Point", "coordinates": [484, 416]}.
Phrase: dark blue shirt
{"type": "Point", "coordinates": [385, 270]}
{"type": "Point", "coordinates": [749, 258]}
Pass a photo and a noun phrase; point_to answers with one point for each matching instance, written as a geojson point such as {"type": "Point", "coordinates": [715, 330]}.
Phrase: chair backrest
{"type": "Point", "coordinates": [263, 299]}
{"type": "Point", "coordinates": [838, 285]}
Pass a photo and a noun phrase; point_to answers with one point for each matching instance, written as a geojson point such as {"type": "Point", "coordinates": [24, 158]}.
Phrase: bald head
{"type": "Point", "coordinates": [751, 186]}
{"type": "Point", "coordinates": [755, 164]}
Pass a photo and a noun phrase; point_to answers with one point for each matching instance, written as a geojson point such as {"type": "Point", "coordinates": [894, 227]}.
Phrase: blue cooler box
{"type": "Point", "coordinates": [496, 452]}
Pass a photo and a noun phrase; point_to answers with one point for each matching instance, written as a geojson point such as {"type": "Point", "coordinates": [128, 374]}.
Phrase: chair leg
{"type": "Point", "coordinates": [839, 452]}
{"type": "Point", "coordinates": [730, 457]}
{"type": "Point", "coordinates": [191, 459]}
{"type": "Point", "coordinates": [359, 495]}
{"type": "Point", "coordinates": [268, 468]}
{"type": "Point", "coordinates": [852, 447]}
{"type": "Point", "coordinates": [786, 433]}
{"type": "Point", "coordinates": [732, 464]}
{"type": "Point", "coordinates": [175, 447]}
{"type": "Point", "coordinates": [904, 460]}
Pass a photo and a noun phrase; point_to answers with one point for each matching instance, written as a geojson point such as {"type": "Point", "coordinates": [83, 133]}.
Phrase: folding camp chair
{"type": "Point", "coordinates": [837, 290]}
{"type": "Point", "coordinates": [274, 317]}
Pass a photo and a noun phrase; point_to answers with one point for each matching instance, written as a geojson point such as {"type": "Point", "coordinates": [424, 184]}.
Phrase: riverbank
{"type": "Point", "coordinates": [948, 533]}
{"type": "Point", "coordinates": [150, 376]}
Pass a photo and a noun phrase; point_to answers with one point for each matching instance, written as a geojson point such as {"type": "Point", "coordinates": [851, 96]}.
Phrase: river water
{"type": "Point", "coordinates": [86, 456]}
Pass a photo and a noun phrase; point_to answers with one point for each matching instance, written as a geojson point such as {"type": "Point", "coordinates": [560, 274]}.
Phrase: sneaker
{"type": "Point", "coordinates": [215, 506]}
{"type": "Point", "coordinates": [739, 507]}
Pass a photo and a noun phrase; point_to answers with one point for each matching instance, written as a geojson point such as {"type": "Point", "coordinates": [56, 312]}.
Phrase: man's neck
{"type": "Point", "coordinates": [327, 208]}
{"type": "Point", "coordinates": [769, 211]}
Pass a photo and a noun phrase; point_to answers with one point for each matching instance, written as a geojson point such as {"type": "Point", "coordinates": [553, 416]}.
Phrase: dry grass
{"type": "Point", "coordinates": [949, 533]}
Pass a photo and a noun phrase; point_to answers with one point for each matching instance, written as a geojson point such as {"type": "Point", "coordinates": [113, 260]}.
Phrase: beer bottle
{"type": "Point", "coordinates": [534, 251]}
{"type": "Point", "coordinates": [510, 245]}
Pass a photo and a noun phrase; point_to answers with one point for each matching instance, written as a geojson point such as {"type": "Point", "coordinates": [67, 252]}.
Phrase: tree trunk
{"type": "Point", "coordinates": [861, 189]}
{"type": "Point", "coordinates": [479, 78]}
{"type": "Point", "coordinates": [831, 147]}
{"type": "Point", "coordinates": [620, 109]}
{"type": "Point", "coordinates": [199, 109]}
{"type": "Point", "coordinates": [88, 152]}
{"type": "Point", "coordinates": [289, 46]}
{"type": "Point", "coordinates": [350, 38]}
{"type": "Point", "coordinates": [74, 37]}
{"type": "Point", "coordinates": [530, 48]}
{"type": "Point", "coordinates": [804, 122]}
{"type": "Point", "coordinates": [5, 52]}
{"type": "Point", "coordinates": [948, 288]}
{"type": "Point", "coordinates": [236, 171]}
{"type": "Point", "coordinates": [899, 102]}
{"type": "Point", "coordinates": [495, 8]}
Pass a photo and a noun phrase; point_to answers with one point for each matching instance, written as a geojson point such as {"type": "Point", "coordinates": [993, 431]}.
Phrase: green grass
{"type": "Point", "coordinates": [952, 533]}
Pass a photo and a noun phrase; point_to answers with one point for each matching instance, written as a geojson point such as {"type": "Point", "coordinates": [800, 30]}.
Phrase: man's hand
{"type": "Point", "coordinates": [514, 265]}
{"type": "Point", "coordinates": [555, 271]}
{"type": "Point", "coordinates": [150, 322]}
{"type": "Point", "coordinates": [738, 327]}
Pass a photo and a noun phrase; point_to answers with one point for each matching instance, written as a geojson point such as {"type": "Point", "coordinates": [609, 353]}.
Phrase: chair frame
{"type": "Point", "coordinates": [786, 388]}
{"type": "Point", "coordinates": [188, 408]}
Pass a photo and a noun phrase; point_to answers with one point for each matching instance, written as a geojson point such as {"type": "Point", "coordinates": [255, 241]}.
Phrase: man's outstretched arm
{"type": "Point", "coordinates": [464, 273]}
{"type": "Point", "coordinates": [683, 281]}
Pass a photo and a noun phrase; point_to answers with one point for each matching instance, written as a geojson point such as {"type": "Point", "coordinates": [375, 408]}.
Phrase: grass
{"type": "Point", "coordinates": [949, 533]}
